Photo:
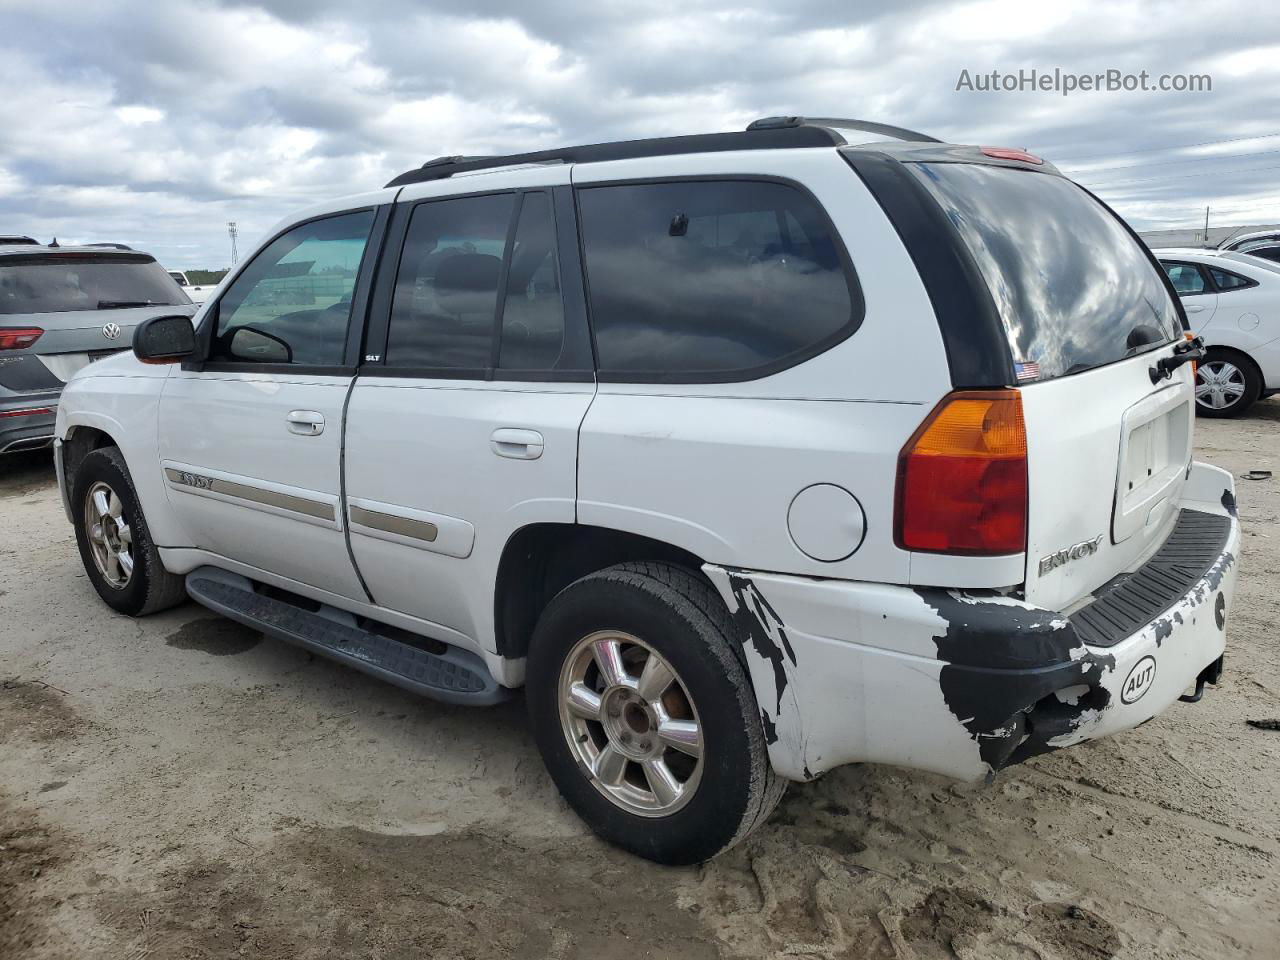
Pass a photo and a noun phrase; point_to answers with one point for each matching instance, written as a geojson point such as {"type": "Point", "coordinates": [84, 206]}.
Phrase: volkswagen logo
{"type": "Point", "coordinates": [111, 331]}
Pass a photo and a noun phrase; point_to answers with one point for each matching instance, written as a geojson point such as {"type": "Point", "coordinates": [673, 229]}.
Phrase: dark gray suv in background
{"type": "Point", "coordinates": [60, 309]}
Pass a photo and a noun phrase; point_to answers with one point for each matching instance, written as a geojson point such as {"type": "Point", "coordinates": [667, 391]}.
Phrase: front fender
{"type": "Point", "coordinates": [125, 409]}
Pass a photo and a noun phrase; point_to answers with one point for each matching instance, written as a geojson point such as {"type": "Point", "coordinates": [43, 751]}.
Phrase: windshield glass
{"type": "Point", "coordinates": [57, 284]}
{"type": "Point", "coordinates": [1073, 288]}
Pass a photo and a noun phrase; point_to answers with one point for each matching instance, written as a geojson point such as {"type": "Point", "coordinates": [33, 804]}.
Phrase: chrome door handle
{"type": "Point", "coordinates": [516, 444]}
{"type": "Point", "coordinates": [305, 423]}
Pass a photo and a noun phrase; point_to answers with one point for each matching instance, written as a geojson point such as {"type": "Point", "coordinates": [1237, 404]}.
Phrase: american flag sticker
{"type": "Point", "coordinates": [1027, 371]}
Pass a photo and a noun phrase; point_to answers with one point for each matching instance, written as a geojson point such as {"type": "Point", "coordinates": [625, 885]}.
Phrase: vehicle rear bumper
{"type": "Point", "coordinates": [966, 683]}
{"type": "Point", "coordinates": [22, 424]}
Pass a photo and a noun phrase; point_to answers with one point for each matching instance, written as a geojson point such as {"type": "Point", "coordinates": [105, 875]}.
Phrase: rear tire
{"type": "Point", "coordinates": [606, 716]}
{"type": "Point", "coordinates": [1227, 383]}
{"type": "Point", "coordinates": [115, 544]}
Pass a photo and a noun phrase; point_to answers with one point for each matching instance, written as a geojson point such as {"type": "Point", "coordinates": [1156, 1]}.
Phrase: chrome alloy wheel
{"type": "Point", "coordinates": [110, 538]}
{"type": "Point", "coordinates": [630, 723]}
{"type": "Point", "coordinates": [1219, 384]}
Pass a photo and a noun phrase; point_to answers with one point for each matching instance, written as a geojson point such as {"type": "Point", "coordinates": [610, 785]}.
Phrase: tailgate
{"type": "Point", "coordinates": [1107, 455]}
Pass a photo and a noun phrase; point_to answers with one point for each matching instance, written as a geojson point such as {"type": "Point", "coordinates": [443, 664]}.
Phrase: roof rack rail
{"type": "Point", "coordinates": [838, 123]}
{"type": "Point", "coordinates": [764, 138]}
{"type": "Point", "coordinates": [17, 238]}
{"type": "Point", "coordinates": [113, 246]}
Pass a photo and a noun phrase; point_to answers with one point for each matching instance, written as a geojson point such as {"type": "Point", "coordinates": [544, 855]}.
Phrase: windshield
{"type": "Point", "coordinates": [57, 284]}
{"type": "Point", "coordinates": [1073, 288]}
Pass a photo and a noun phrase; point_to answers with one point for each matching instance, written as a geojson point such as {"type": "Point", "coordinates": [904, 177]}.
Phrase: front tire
{"type": "Point", "coordinates": [1227, 384]}
{"type": "Point", "coordinates": [115, 544]}
{"type": "Point", "coordinates": [645, 716]}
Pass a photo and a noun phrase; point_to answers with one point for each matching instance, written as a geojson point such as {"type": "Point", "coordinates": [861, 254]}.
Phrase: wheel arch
{"type": "Point", "coordinates": [88, 430]}
{"type": "Point", "coordinates": [541, 559]}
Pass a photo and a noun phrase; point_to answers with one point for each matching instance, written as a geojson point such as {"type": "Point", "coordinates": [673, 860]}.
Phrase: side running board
{"type": "Point", "coordinates": [454, 676]}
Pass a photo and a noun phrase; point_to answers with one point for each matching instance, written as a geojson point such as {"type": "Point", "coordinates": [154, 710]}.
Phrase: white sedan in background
{"type": "Point", "coordinates": [1233, 301]}
{"type": "Point", "coordinates": [198, 292]}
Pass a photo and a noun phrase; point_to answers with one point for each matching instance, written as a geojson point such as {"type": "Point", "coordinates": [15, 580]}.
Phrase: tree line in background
{"type": "Point", "coordinates": [204, 278]}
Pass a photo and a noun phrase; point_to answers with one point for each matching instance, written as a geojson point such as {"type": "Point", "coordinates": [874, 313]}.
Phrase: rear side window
{"type": "Point", "coordinates": [712, 280]}
{"type": "Point", "coordinates": [1226, 280]}
{"type": "Point", "coordinates": [1073, 288]}
{"type": "Point", "coordinates": [63, 282]}
{"type": "Point", "coordinates": [1185, 277]}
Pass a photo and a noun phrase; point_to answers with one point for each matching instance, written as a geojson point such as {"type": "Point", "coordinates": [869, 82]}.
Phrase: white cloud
{"type": "Point", "coordinates": [154, 124]}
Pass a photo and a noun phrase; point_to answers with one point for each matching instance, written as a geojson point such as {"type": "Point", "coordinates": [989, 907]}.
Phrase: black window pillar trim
{"type": "Point", "coordinates": [504, 276]}
{"type": "Point", "coordinates": [973, 334]}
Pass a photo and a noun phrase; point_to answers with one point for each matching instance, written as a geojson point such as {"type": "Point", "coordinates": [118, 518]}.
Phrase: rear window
{"type": "Point", "coordinates": [1073, 288]}
{"type": "Point", "coordinates": [63, 282]}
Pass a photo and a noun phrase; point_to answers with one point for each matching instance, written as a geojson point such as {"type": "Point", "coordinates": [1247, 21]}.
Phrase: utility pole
{"type": "Point", "coordinates": [1206, 225]}
{"type": "Point", "coordinates": [233, 232]}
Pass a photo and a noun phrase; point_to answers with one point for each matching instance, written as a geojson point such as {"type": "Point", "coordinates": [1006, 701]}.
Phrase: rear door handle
{"type": "Point", "coordinates": [305, 423]}
{"type": "Point", "coordinates": [1194, 308]}
{"type": "Point", "coordinates": [516, 444]}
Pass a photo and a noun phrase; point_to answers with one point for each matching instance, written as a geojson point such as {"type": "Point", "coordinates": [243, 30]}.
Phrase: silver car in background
{"type": "Point", "coordinates": [62, 308]}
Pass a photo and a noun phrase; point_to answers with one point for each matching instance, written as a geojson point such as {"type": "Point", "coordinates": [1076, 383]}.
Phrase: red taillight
{"type": "Point", "coordinates": [1194, 366]}
{"type": "Point", "coordinates": [18, 338]}
{"type": "Point", "coordinates": [962, 477]}
{"type": "Point", "coordinates": [1011, 153]}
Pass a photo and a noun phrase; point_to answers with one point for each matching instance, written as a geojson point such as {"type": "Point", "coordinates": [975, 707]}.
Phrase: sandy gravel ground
{"type": "Point", "coordinates": [181, 787]}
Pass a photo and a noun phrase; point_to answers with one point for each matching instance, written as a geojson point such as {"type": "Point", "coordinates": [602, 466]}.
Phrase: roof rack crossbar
{"type": "Point", "coordinates": [758, 139]}
{"type": "Point", "coordinates": [839, 123]}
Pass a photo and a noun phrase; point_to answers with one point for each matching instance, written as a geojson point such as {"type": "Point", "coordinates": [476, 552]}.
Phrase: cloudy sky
{"type": "Point", "coordinates": [154, 123]}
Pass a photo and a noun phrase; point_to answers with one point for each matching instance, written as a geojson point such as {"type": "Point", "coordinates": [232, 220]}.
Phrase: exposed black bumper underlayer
{"type": "Point", "coordinates": [1005, 664]}
{"type": "Point", "coordinates": [1132, 600]}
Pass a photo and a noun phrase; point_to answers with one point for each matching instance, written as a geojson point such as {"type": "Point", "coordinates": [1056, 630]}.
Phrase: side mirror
{"type": "Point", "coordinates": [164, 339]}
{"type": "Point", "coordinates": [248, 343]}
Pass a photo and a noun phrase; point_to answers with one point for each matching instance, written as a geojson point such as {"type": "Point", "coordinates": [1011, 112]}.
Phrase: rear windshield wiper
{"type": "Point", "coordinates": [121, 304]}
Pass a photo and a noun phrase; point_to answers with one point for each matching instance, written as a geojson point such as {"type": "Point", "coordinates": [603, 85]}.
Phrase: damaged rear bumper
{"type": "Point", "coordinates": [964, 684]}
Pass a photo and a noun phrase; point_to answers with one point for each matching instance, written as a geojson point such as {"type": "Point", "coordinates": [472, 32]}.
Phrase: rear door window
{"type": "Point", "coordinates": [1186, 278]}
{"type": "Point", "coordinates": [59, 283]}
{"type": "Point", "coordinates": [473, 296]}
{"type": "Point", "coordinates": [712, 280]}
{"type": "Point", "coordinates": [1074, 289]}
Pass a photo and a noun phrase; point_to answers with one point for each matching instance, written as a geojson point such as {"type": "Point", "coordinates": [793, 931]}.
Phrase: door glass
{"type": "Point", "coordinates": [446, 297]}
{"type": "Point", "coordinates": [295, 297]}
{"type": "Point", "coordinates": [1185, 277]}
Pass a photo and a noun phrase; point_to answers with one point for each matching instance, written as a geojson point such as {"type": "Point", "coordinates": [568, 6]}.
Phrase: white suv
{"type": "Point", "coordinates": [748, 455]}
